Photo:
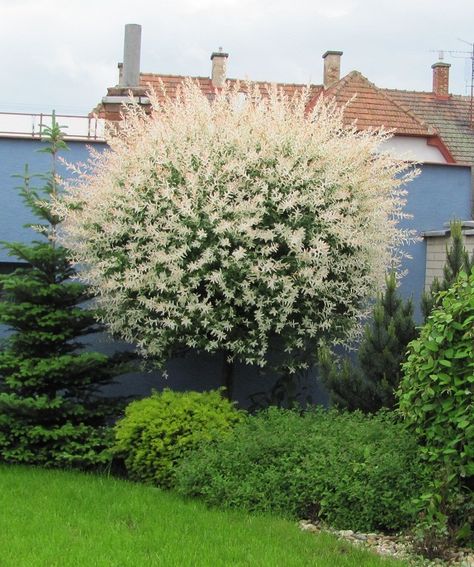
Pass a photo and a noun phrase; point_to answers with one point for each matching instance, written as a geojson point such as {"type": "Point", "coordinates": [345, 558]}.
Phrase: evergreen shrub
{"type": "Point", "coordinates": [347, 469]}
{"type": "Point", "coordinates": [457, 260]}
{"type": "Point", "coordinates": [437, 401]}
{"type": "Point", "coordinates": [50, 411]}
{"type": "Point", "coordinates": [158, 431]}
{"type": "Point", "coordinates": [372, 381]}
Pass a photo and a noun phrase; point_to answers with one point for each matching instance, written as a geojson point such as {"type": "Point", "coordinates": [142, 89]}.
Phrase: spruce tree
{"type": "Point", "coordinates": [50, 413]}
{"type": "Point", "coordinates": [346, 383]}
{"type": "Point", "coordinates": [371, 382]}
{"type": "Point", "coordinates": [457, 260]}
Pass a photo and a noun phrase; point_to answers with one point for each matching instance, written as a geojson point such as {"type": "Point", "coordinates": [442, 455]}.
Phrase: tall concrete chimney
{"type": "Point", "coordinates": [130, 76]}
{"type": "Point", "coordinates": [332, 67]}
{"type": "Point", "coordinates": [441, 79]}
{"type": "Point", "coordinates": [219, 68]}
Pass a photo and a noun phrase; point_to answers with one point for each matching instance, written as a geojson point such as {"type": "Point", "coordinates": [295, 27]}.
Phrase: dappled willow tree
{"type": "Point", "coordinates": [235, 226]}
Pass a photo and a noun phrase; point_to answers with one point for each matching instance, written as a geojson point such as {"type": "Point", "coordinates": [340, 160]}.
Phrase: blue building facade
{"type": "Point", "coordinates": [14, 154]}
{"type": "Point", "coordinates": [440, 193]}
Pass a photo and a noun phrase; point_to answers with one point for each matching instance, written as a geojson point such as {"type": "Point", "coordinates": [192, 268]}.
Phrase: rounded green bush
{"type": "Point", "coordinates": [437, 401]}
{"type": "Point", "coordinates": [349, 470]}
{"type": "Point", "coordinates": [157, 432]}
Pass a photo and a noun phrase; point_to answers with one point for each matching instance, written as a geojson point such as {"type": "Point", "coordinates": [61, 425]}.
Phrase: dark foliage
{"type": "Point", "coordinates": [371, 382]}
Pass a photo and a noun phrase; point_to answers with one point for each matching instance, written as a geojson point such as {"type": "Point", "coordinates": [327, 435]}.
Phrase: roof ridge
{"type": "Point", "coordinates": [412, 91]}
{"type": "Point", "coordinates": [334, 89]}
{"type": "Point", "coordinates": [275, 83]}
{"type": "Point", "coordinates": [173, 76]}
{"type": "Point", "coordinates": [165, 75]}
{"type": "Point", "coordinates": [408, 91]}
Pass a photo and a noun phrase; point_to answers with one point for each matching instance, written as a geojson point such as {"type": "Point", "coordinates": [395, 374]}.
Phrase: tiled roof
{"type": "Point", "coordinates": [371, 107]}
{"type": "Point", "coordinates": [450, 117]}
{"type": "Point", "coordinates": [443, 121]}
{"type": "Point", "coordinates": [171, 83]}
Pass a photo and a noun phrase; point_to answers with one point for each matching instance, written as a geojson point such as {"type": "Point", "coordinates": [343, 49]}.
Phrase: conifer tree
{"type": "Point", "coordinates": [457, 260]}
{"type": "Point", "coordinates": [372, 381]}
{"type": "Point", "coordinates": [49, 410]}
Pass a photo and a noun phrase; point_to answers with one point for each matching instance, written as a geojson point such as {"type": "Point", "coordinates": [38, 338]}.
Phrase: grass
{"type": "Point", "coordinates": [64, 519]}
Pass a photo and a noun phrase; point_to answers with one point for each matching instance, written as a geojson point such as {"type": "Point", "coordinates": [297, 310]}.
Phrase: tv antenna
{"type": "Point", "coordinates": [464, 55]}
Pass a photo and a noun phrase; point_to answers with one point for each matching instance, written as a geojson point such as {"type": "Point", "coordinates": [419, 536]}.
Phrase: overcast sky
{"type": "Point", "coordinates": [64, 54]}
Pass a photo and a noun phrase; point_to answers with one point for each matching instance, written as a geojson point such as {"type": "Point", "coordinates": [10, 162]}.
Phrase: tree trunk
{"type": "Point", "coordinates": [228, 374]}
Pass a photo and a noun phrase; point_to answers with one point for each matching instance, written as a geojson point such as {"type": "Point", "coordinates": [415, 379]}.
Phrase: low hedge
{"type": "Point", "coordinates": [352, 471]}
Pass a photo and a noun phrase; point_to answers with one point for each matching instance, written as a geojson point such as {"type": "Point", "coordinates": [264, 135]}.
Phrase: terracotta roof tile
{"type": "Point", "coordinates": [172, 82]}
{"type": "Point", "coordinates": [371, 107]}
{"type": "Point", "coordinates": [450, 116]}
{"type": "Point", "coordinates": [407, 113]}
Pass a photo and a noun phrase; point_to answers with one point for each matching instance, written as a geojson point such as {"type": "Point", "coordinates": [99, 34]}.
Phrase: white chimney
{"type": "Point", "coordinates": [130, 75]}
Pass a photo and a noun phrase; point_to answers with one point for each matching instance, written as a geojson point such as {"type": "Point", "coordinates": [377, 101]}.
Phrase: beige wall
{"type": "Point", "coordinates": [411, 148]}
{"type": "Point", "coordinates": [436, 255]}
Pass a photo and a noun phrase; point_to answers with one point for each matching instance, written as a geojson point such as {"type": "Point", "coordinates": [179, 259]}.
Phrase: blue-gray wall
{"type": "Point", "coordinates": [439, 193]}
{"type": "Point", "coordinates": [14, 154]}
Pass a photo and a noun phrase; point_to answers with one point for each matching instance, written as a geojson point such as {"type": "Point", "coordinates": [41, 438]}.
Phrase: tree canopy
{"type": "Point", "coordinates": [236, 225]}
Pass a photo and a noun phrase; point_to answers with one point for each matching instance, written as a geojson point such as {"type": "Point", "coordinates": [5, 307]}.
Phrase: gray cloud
{"type": "Point", "coordinates": [63, 55]}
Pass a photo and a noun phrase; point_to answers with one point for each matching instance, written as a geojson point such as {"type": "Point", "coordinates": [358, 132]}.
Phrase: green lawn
{"type": "Point", "coordinates": [52, 518]}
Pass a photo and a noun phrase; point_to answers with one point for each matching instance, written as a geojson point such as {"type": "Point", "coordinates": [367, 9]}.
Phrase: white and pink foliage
{"type": "Point", "coordinates": [235, 225]}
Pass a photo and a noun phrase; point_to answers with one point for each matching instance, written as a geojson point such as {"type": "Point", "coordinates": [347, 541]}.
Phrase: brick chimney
{"type": "Point", "coordinates": [441, 79]}
{"type": "Point", "coordinates": [219, 68]}
{"type": "Point", "coordinates": [332, 68]}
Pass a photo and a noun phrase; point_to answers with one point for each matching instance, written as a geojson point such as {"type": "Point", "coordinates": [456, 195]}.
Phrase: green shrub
{"type": "Point", "coordinates": [350, 470]}
{"type": "Point", "coordinates": [158, 431]}
{"type": "Point", "coordinates": [436, 398]}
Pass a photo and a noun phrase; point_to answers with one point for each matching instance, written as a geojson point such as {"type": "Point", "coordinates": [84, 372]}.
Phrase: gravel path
{"type": "Point", "coordinates": [399, 546]}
